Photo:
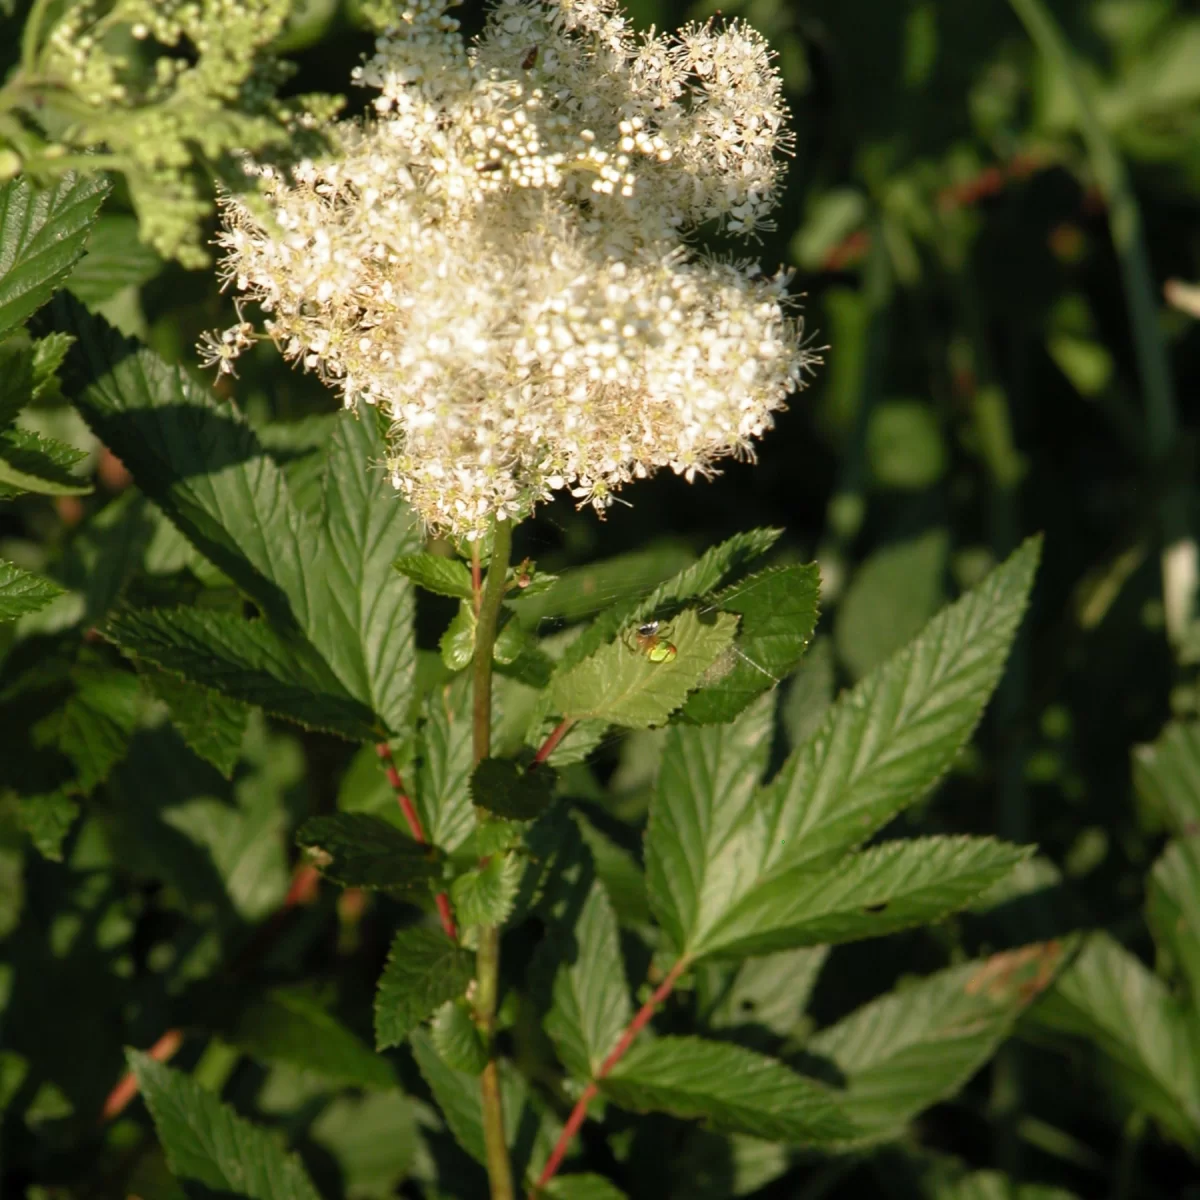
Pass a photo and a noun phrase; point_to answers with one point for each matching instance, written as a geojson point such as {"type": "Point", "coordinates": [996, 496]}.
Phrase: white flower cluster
{"type": "Point", "coordinates": [498, 256]}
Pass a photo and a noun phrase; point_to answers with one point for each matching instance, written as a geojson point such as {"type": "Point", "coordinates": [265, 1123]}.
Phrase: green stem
{"type": "Point", "coordinates": [1179, 553]}
{"type": "Point", "coordinates": [31, 35]}
{"type": "Point", "coordinates": [487, 957]}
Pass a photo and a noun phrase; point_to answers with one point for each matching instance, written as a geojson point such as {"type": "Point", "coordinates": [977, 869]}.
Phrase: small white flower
{"type": "Point", "coordinates": [508, 274]}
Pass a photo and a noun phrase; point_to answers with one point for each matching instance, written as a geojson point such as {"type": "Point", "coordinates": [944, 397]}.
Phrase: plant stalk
{"type": "Point", "coordinates": [579, 1112]}
{"type": "Point", "coordinates": [487, 957]}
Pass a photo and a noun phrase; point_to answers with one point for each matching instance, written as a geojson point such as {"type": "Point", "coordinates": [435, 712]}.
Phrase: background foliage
{"type": "Point", "coordinates": [987, 267]}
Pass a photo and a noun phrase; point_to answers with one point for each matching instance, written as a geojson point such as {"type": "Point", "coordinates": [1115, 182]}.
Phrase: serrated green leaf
{"type": "Point", "coordinates": [287, 1025]}
{"type": "Point", "coordinates": [778, 611]}
{"type": "Point", "coordinates": [213, 725]}
{"type": "Point", "coordinates": [218, 847]}
{"type": "Point", "coordinates": [49, 353]}
{"type": "Point", "coordinates": [877, 891]}
{"type": "Point", "coordinates": [502, 787]}
{"type": "Point", "coordinates": [530, 1132]}
{"type": "Point", "coordinates": [582, 1187]}
{"type": "Point", "coordinates": [16, 376]}
{"type": "Point", "coordinates": [444, 772]}
{"type": "Point", "coordinates": [23, 592]}
{"type": "Point", "coordinates": [457, 1040]}
{"type": "Point", "coordinates": [42, 234]}
{"type": "Point", "coordinates": [47, 819]}
{"type": "Point", "coordinates": [329, 580]}
{"type": "Point", "coordinates": [360, 850]}
{"type": "Point", "coordinates": [246, 661]}
{"type": "Point", "coordinates": [624, 686]}
{"type": "Point", "coordinates": [1173, 908]}
{"type": "Point", "coordinates": [890, 597]}
{"type": "Point", "coordinates": [442, 576]}
{"type": "Point", "coordinates": [706, 780]}
{"type": "Point", "coordinates": [362, 616]}
{"type": "Point", "coordinates": [921, 1043]}
{"type": "Point", "coordinates": [880, 748]}
{"type": "Point", "coordinates": [1166, 775]}
{"type": "Point", "coordinates": [734, 1090]}
{"type": "Point", "coordinates": [770, 992]}
{"type": "Point", "coordinates": [457, 644]}
{"type": "Point", "coordinates": [208, 1143]}
{"type": "Point", "coordinates": [486, 894]}
{"type": "Point", "coordinates": [92, 728]}
{"type": "Point", "coordinates": [424, 970]}
{"type": "Point", "coordinates": [697, 579]}
{"type": "Point", "coordinates": [619, 871]}
{"type": "Point", "coordinates": [373, 1137]}
{"type": "Point", "coordinates": [32, 463]}
{"type": "Point", "coordinates": [1144, 1041]}
{"type": "Point", "coordinates": [884, 744]}
{"type": "Point", "coordinates": [200, 462]}
{"type": "Point", "coordinates": [512, 642]}
{"type": "Point", "coordinates": [590, 1001]}
{"type": "Point", "coordinates": [115, 258]}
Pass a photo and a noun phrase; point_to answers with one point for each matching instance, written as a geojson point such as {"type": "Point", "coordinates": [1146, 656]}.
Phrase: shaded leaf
{"type": "Point", "coordinates": [890, 597]}
{"type": "Point", "coordinates": [115, 259]}
{"type": "Point", "coordinates": [208, 1143]}
{"type": "Point", "coordinates": [288, 1025]}
{"type": "Point", "coordinates": [809, 694]}
{"type": "Point", "coordinates": [424, 970]}
{"type": "Point", "coordinates": [590, 1006]}
{"type": "Point", "coordinates": [246, 661]}
{"type": "Point", "coordinates": [921, 1043]}
{"type": "Point", "coordinates": [47, 819]}
{"type": "Point", "coordinates": [1167, 775]}
{"type": "Point", "coordinates": [1173, 908]}
{"type": "Point", "coordinates": [735, 1090]}
{"type": "Point", "coordinates": [1143, 1038]}
{"type": "Point", "coordinates": [360, 850]}
{"type": "Point", "coordinates": [329, 583]}
{"type": "Point", "coordinates": [93, 725]}
{"type": "Point", "coordinates": [530, 1133]}
{"type": "Point", "coordinates": [778, 611]}
{"type": "Point", "coordinates": [213, 725]}
{"type": "Point", "coordinates": [16, 375]}
{"type": "Point", "coordinates": [770, 992]}
{"type": "Point", "coordinates": [502, 787]}
{"type": "Point", "coordinates": [582, 1187]}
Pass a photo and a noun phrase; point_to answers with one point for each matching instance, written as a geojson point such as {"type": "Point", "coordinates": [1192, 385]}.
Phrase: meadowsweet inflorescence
{"type": "Point", "coordinates": [498, 257]}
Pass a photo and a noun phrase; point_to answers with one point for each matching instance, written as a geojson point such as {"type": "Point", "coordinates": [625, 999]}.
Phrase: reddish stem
{"type": "Point", "coordinates": [579, 1112]}
{"type": "Point", "coordinates": [445, 913]}
{"type": "Point", "coordinates": [119, 1098]}
{"type": "Point", "coordinates": [548, 747]}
